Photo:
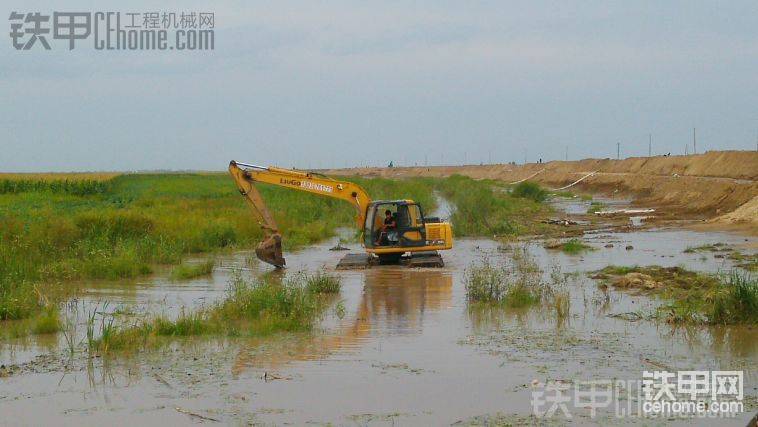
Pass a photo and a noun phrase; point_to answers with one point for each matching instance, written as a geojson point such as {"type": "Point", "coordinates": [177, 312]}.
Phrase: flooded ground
{"type": "Point", "coordinates": [404, 349]}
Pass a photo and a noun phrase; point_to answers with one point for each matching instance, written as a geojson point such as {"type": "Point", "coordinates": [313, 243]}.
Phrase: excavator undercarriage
{"type": "Point", "coordinates": [356, 261]}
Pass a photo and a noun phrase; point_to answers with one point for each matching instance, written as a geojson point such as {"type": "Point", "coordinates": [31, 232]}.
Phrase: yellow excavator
{"type": "Point", "coordinates": [390, 229]}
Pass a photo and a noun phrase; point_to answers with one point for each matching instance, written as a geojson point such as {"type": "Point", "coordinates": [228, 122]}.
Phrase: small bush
{"type": "Point", "coordinates": [530, 190]}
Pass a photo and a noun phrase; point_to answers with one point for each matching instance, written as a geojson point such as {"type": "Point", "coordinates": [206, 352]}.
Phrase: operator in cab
{"type": "Point", "coordinates": [389, 225]}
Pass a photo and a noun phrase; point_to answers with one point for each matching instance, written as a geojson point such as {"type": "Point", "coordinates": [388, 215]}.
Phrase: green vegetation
{"type": "Point", "coordinates": [748, 262]}
{"type": "Point", "coordinates": [616, 270]}
{"type": "Point", "coordinates": [484, 208]}
{"type": "Point", "coordinates": [516, 285]}
{"type": "Point", "coordinates": [48, 321]}
{"type": "Point", "coordinates": [563, 193]}
{"type": "Point", "coordinates": [323, 283]}
{"type": "Point", "coordinates": [113, 227]}
{"type": "Point", "coordinates": [692, 297]}
{"type": "Point", "coordinates": [190, 271]}
{"type": "Point", "coordinates": [596, 207]}
{"type": "Point", "coordinates": [250, 309]}
{"type": "Point", "coordinates": [575, 246]}
{"type": "Point", "coordinates": [120, 227]}
{"type": "Point", "coordinates": [530, 190]}
{"type": "Point", "coordinates": [82, 187]}
{"type": "Point", "coordinates": [572, 246]}
{"type": "Point", "coordinates": [715, 247]}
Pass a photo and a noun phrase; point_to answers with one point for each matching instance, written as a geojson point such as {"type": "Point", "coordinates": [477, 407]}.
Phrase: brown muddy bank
{"type": "Point", "coordinates": [704, 186]}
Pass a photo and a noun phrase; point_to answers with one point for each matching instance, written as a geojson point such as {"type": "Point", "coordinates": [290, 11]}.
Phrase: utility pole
{"type": "Point", "coordinates": [618, 151]}
{"type": "Point", "coordinates": [694, 142]}
{"type": "Point", "coordinates": [567, 153]}
{"type": "Point", "coordinates": [650, 146]}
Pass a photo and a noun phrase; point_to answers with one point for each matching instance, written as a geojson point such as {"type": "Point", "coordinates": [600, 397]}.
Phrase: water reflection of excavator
{"type": "Point", "coordinates": [390, 228]}
{"type": "Point", "coordinates": [392, 302]}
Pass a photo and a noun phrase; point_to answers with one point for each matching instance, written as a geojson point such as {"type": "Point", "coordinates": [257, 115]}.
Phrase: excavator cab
{"type": "Point", "coordinates": [408, 229]}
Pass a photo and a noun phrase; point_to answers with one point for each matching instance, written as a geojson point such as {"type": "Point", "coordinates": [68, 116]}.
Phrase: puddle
{"type": "Point", "coordinates": [408, 349]}
{"type": "Point", "coordinates": [578, 206]}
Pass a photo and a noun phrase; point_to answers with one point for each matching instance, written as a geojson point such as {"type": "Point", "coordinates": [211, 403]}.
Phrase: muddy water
{"type": "Point", "coordinates": [407, 350]}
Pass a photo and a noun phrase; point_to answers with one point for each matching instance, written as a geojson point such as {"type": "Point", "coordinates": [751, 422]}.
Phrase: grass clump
{"type": "Point", "coordinates": [485, 283]}
{"type": "Point", "coordinates": [572, 246]}
{"type": "Point", "coordinates": [530, 190]}
{"type": "Point", "coordinates": [190, 271]}
{"type": "Point", "coordinates": [48, 321]}
{"type": "Point", "coordinates": [323, 283]}
{"type": "Point", "coordinates": [575, 246]}
{"type": "Point", "coordinates": [732, 300]}
{"type": "Point", "coordinates": [516, 285]}
{"type": "Point", "coordinates": [250, 308]}
{"type": "Point", "coordinates": [596, 207]}
{"type": "Point", "coordinates": [748, 262]}
{"type": "Point", "coordinates": [715, 247]}
{"type": "Point", "coordinates": [692, 297]}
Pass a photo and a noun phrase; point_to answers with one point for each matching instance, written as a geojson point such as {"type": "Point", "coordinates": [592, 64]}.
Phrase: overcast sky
{"type": "Point", "coordinates": [325, 84]}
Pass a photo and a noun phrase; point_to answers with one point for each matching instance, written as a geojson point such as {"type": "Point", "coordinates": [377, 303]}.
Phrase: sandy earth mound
{"type": "Point", "coordinates": [745, 214]}
{"type": "Point", "coordinates": [717, 185]}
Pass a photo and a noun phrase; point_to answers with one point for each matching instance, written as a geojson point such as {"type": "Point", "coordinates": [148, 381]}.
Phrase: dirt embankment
{"type": "Point", "coordinates": [720, 186]}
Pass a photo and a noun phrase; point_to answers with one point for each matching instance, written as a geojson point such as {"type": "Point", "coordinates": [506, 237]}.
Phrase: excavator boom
{"type": "Point", "coordinates": [270, 249]}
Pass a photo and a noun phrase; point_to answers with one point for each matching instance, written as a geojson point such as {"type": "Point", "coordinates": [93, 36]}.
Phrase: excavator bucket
{"type": "Point", "coordinates": [270, 250]}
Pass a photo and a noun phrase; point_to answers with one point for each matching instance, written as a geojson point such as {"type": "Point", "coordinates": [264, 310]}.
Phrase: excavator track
{"type": "Point", "coordinates": [355, 261]}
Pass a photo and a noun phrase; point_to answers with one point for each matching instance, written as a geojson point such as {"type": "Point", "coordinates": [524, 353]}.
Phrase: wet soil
{"type": "Point", "coordinates": [407, 350]}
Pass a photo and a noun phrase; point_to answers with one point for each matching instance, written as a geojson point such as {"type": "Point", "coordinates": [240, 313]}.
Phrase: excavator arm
{"type": "Point", "coordinates": [246, 175]}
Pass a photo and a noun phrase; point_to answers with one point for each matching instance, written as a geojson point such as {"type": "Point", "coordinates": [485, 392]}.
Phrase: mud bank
{"type": "Point", "coordinates": [706, 186]}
